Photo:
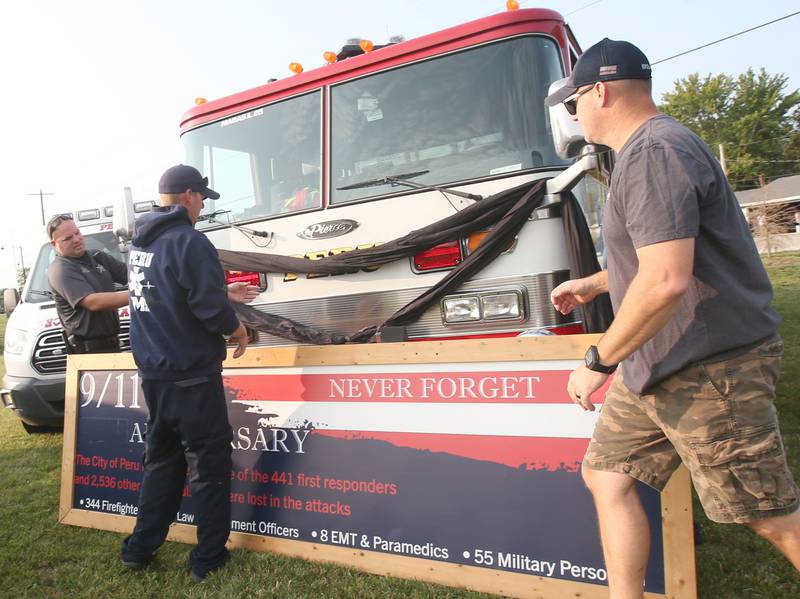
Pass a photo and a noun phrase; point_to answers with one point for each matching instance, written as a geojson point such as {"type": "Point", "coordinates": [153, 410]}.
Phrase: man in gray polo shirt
{"type": "Point", "coordinates": [83, 289]}
{"type": "Point", "coordinates": [694, 331]}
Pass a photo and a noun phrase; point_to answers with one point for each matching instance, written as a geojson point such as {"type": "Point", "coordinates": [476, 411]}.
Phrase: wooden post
{"type": "Point", "coordinates": [764, 218]}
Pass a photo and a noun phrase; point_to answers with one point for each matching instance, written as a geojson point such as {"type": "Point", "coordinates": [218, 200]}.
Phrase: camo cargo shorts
{"type": "Point", "coordinates": [718, 419]}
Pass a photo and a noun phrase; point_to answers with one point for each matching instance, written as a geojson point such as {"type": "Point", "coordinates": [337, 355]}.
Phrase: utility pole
{"type": "Point", "coordinates": [41, 195]}
{"type": "Point", "coordinates": [766, 217]}
{"type": "Point", "coordinates": [722, 161]}
{"type": "Point", "coordinates": [13, 247]}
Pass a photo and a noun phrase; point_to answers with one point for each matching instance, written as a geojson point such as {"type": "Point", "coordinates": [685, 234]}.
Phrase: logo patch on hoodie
{"type": "Point", "coordinates": [136, 279]}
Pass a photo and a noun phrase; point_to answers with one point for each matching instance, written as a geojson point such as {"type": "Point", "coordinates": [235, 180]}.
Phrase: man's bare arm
{"type": "Point", "coordinates": [106, 300]}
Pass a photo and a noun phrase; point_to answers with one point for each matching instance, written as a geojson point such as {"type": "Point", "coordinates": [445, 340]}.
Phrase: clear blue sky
{"type": "Point", "coordinates": [93, 90]}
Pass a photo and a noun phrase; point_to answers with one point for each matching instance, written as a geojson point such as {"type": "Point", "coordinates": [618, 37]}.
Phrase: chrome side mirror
{"type": "Point", "coordinates": [123, 222]}
{"type": "Point", "coordinates": [568, 136]}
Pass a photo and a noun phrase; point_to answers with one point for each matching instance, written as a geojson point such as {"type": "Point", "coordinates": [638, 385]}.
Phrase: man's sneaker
{"type": "Point", "coordinates": [200, 577]}
{"type": "Point", "coordinates": [133, 564]}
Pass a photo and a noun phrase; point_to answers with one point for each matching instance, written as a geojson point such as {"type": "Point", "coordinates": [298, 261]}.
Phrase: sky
{"type": "Point", "coordinates": [92, 91]}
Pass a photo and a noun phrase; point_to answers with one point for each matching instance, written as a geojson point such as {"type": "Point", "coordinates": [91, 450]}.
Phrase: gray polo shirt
{"type": "Point", "coordinates": [667, 185]}
{"type": "Point", "coordinates": [72, 279]}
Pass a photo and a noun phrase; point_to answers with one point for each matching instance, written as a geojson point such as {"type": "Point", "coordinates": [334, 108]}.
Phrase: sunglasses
{"type": "Point", "coordinates": [55, 222]}
{"type": "Point", "coordinates": [571, 102]}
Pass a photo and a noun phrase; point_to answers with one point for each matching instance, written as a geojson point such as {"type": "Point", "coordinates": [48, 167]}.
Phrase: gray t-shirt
{"type": "Point", "coordinates": [667, 185]}
{"type": "Point", "coordinates": [72, 279]}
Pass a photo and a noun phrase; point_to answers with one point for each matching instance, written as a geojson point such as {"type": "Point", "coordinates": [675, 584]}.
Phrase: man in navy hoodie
{"type": "Point", "coordinates": [180, 314]}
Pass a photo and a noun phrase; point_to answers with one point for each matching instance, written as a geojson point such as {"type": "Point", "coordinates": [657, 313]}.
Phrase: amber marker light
{"type": "Point", "coordinates": [330, 57]}
{"type": "Point", "coordinates": [200, 101]}
{"type": "Point", "coordinates": [366, 45]}
{"type": "Point", "coordinates": [295, 67]}
{"type": "Point", "coordinates": [476, 238]}
{"type": "Point", "coordinates": [512, 4]}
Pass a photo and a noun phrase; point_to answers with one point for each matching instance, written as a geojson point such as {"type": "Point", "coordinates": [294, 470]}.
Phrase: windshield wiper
{"type": "Point", "coordinates": [41, 292]}
{"type": "Point", "coordinates": [395, 180]}
{"type": "Point", "coordinates": [211, 216]}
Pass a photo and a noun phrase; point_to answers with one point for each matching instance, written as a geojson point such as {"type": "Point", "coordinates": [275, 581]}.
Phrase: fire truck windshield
{"type": "Point", "coordinates": [468, 115]}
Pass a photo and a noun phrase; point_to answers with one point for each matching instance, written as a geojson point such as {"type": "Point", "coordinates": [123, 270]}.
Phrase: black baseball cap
{"type": "Point", "coordinates": [607, 60]}
{"type": "Point", "coordinates": [178, 179]}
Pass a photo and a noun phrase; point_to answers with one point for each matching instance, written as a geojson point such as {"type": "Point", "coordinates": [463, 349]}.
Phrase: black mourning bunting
{"type": "Point", "coordinates": [505, 213]}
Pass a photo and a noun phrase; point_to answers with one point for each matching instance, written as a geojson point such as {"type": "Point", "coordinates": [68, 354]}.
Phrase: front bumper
{"type": "Point", "coordinates": [36, 402]}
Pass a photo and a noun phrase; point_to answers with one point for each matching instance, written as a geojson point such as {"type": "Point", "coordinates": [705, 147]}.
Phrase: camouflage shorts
{"type": "Point", "coordinates": [719, 420]}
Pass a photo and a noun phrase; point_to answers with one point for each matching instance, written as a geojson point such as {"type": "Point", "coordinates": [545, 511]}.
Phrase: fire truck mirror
{"type": "Point", "coordinates": [568, 136]}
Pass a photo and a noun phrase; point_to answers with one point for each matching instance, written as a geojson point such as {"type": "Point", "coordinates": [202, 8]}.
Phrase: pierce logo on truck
{"type": "Point", "coordinates": [329, 228]}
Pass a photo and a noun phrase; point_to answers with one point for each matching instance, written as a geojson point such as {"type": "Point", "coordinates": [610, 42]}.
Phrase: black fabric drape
{"type": "Point", "coordinates": [507, 210]}
{"type": "Point", "coordinates": [598, 314]}
{"type": "Point", "coordinates": [480, 215]}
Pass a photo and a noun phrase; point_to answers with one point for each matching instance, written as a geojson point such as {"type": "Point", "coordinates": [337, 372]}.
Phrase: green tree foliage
{"type": "Point", "coordinates": [751, 115]}
{"type": "Point", "coordinates": [22, 276]}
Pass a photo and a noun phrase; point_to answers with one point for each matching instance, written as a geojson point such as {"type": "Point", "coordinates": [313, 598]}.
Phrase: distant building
{"type": "Point", "coordinates": [777, 203]}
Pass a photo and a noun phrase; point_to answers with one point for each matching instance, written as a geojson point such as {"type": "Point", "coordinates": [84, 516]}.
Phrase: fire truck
{"type": "Point", "coordinates": [34, 353]}
{"type": "Point", "coordinates": [384, 140]}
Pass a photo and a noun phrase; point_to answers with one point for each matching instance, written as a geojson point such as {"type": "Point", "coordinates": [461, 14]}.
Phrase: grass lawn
{"type": "Point", "coordinates": [40, 558]}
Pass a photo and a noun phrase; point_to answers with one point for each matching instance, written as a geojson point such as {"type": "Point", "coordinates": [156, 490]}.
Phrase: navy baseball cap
{"type": "Point", "coordinates": [607, 60]}
{"type": "Point", "coordinates": [178, 179]}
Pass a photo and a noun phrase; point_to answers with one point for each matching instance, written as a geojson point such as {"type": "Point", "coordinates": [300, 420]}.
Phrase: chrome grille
{"type": "Point", "coordinates": [50, 356]}
{"type": "Point", "coordinates": [348, 314]}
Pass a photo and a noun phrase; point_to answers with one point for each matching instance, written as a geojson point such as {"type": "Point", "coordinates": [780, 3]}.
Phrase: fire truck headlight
{"type": "Point", "coordinates": [15, 340]}
{"type": "Point", "coordinates": [501, 306]}
{"type": "Point", "coordinates": [461, 309]}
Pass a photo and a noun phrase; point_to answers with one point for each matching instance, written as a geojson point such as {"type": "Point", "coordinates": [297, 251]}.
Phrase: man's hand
{"type": "Point", "coordinates": [240, 337]}
{"type": "Point", "coordinates": [570, 294]}
{"type": "Point", "coordinates": [582, 383]}
{"type": "Point", "coordinates": [241, 292]}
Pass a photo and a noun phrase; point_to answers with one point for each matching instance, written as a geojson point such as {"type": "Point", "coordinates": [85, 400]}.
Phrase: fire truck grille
{"type": "Point", "coordinates": [348, 314]}
{"type": "Point", "coordinates": [50, 356]}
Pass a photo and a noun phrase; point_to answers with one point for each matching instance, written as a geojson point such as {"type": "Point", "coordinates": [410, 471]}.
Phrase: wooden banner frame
{"type": "Point", "coordinates": [676, 506]}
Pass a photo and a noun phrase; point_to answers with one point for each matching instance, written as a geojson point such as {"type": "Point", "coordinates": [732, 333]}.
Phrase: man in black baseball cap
{"type": "Point", "coordinates": [607, 60]}
{"type": "Point", "coordinates": [694, 335]}
{"type": "Point", "coordinates": [181, 177]}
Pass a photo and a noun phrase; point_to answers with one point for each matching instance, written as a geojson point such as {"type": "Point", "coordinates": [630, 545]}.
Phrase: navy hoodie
{"type": "Point", "coordinates": [178, 298]}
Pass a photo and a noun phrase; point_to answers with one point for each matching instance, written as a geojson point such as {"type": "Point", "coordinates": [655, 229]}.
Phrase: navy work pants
{"type": "Point", "coordinates": [188, 425]}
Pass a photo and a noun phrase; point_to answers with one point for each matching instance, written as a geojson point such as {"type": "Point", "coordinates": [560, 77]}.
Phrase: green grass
{"type": "Point", "coordinates": [40, 558]}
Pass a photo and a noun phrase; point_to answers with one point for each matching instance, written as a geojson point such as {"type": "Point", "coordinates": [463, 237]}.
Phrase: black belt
{"type": "Point", "coordinates": [83, 345]}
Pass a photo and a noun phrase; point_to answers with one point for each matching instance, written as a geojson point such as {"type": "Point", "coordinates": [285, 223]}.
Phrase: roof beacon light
{"type": "Point", "coordinates": [200, 101]}
{"type": "Point", "coordinates": [512, 5]}
{"type": "Point", "coordinates": [330, 57]}
{"type": "Point", "coordinates": [366, 45]}
{"type": "Point", "coordinates": [295, 67]}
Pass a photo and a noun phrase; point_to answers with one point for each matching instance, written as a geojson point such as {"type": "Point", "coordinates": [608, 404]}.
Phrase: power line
{"type": "Point", "coordinates": [726, 38]}
{"type": "Point", "coordinates": [771, 178]}
{"type": "Point", "coordinates": [761, 141]}
{"type": "Point", "coordinates": [572, 12]}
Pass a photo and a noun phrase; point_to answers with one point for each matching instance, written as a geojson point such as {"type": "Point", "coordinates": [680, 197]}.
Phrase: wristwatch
{"type": "Point", "coordinates": [592, 361]}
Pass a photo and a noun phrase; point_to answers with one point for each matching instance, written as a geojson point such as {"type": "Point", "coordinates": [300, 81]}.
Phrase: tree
{"type": "Point", "coordinates": [22, 276]}
{"type": "Point", "coordinates": [751, 115]}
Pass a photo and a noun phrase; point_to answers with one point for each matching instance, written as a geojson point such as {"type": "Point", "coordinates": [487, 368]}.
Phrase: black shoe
{"type": "Point", "coordinates": [133, 564]}
{"type": "Point", "coordinates": [200, 576]}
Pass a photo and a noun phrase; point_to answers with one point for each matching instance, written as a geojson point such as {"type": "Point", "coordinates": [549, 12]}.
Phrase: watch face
{"type": "Point", "coordinates": [590, 359]}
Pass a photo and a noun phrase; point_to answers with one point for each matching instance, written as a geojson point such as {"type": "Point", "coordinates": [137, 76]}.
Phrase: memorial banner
{"type": "Point", "coordinates": [456, 462]}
